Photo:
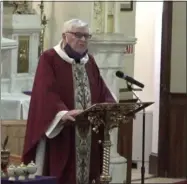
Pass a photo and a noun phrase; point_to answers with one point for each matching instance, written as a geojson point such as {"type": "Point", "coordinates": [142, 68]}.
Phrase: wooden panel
{"type": "Point", "coordinates": [178, 135]}
{"type": "Point", "coordinates": [174, 150]}
{"type": "Point", "coordinates": [15, 129]}
{"type": "Point", "coordinates": [15, 159]}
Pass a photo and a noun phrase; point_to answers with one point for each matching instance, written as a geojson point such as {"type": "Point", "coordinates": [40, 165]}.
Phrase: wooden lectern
{"type": "Point", "coordinates": [110, 115]}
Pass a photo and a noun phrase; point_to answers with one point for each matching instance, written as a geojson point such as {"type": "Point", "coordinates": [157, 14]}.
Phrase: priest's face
{"type": "Point", "coordinates": [78, 38]}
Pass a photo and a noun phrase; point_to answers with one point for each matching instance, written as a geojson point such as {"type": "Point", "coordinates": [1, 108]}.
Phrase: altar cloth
{"type": "Point", "coordinates": [37, 180]}
{"type": "Point", "coordinates": [14, 106]}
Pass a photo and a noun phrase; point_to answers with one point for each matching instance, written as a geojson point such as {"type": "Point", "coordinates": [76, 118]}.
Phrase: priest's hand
{"type": "Point", "coordinates": [70, 115]}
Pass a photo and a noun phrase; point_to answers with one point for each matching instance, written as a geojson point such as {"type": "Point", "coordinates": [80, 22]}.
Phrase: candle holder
{"type": "Point", "coordinates": [5, 155]}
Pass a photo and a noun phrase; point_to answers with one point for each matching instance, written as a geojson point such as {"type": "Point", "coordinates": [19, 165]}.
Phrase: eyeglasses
{"type": "Point", "coordinates": [80, 35]}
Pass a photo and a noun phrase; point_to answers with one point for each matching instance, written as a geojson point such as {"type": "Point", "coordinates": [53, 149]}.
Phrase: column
{"type": "Point", "coordinates": [116, 16]}
{"type": "Point", "coordinates": [98, 17]}
{"type": "Point", "coordinates": [1, 18]}
{"type": "Point", "coordinates": [109, 17]}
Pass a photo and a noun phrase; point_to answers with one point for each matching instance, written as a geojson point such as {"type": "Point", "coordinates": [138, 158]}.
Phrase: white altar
{"type": "Point", "coordinates": [13, 105]}
{"type": "Point", "coordinates": [10, 104]}
{"type": "Point", "coordinates": [19, 57]}
{"type": "Point", "coordinates": [25, 29]}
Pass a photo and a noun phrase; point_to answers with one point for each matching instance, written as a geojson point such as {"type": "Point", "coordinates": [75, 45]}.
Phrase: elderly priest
{"type": "Point", "coordinates": [67, 81]}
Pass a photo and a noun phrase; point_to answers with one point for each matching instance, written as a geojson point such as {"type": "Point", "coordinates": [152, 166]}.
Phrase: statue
{"type": "Point", "coordinates": [20, 7]}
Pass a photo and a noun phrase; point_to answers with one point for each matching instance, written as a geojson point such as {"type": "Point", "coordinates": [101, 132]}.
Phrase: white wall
{"type": "Point", "coordinates": [127, 20]}
{"type": "Point", "coordinates": [157, 64]}
{"type": "Point", "coordinates": [178, 62]}
{"type": "Point", "coordinates": [147, 57]}
{"type": "Point", "coordinates": [146, 14]}
{"type": "Point", "coordinates": [148, 51]}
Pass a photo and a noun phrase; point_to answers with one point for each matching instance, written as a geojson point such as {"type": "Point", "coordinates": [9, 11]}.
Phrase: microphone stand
{"type": "Point", "coordinates": [129, 87]}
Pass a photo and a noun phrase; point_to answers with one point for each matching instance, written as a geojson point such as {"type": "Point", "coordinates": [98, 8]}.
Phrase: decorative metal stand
{"type": "Point", "coordinates": [110, 115]}
{"type": "Point", "coordinates": [5, 155]}
{"type": "Point", "coordinates": [43, 24]}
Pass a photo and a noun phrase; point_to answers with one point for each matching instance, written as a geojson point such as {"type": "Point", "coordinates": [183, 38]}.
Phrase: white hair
{"type": "Point", "coordinates": [74, 23]}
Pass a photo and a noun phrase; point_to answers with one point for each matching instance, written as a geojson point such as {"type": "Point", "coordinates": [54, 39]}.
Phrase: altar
{"type": "Point", "coordinates": [19, 57]}
{"type": "Point", "coordinates": [14, 106]}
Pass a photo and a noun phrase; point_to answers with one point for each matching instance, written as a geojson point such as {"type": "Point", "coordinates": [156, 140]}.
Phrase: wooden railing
{"type": "Point", "coordinates": [15, 130]}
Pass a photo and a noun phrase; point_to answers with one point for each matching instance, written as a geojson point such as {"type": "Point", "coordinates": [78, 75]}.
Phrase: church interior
{"type": "Point", "coordinates": [145, 40]}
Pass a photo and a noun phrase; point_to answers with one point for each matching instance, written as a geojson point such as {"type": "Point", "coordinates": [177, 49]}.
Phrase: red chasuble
{"type": "Point", "coordinates": [53, 91]}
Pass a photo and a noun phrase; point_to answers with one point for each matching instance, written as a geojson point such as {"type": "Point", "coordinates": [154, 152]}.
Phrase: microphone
{"type": "Point", "coordinates": [129, 79]}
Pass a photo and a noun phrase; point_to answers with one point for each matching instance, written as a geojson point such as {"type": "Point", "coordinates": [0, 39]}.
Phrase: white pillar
{"type": "Point", "coordinates": [157, 63]}
{"type": "Point", "coordinates": [1, 18]}
{"type": "Point", "coordinates": [116, 17]}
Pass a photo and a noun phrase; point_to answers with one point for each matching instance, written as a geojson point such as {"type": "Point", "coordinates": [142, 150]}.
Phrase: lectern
{"type": "Point", "coordinates": [110, 115]}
